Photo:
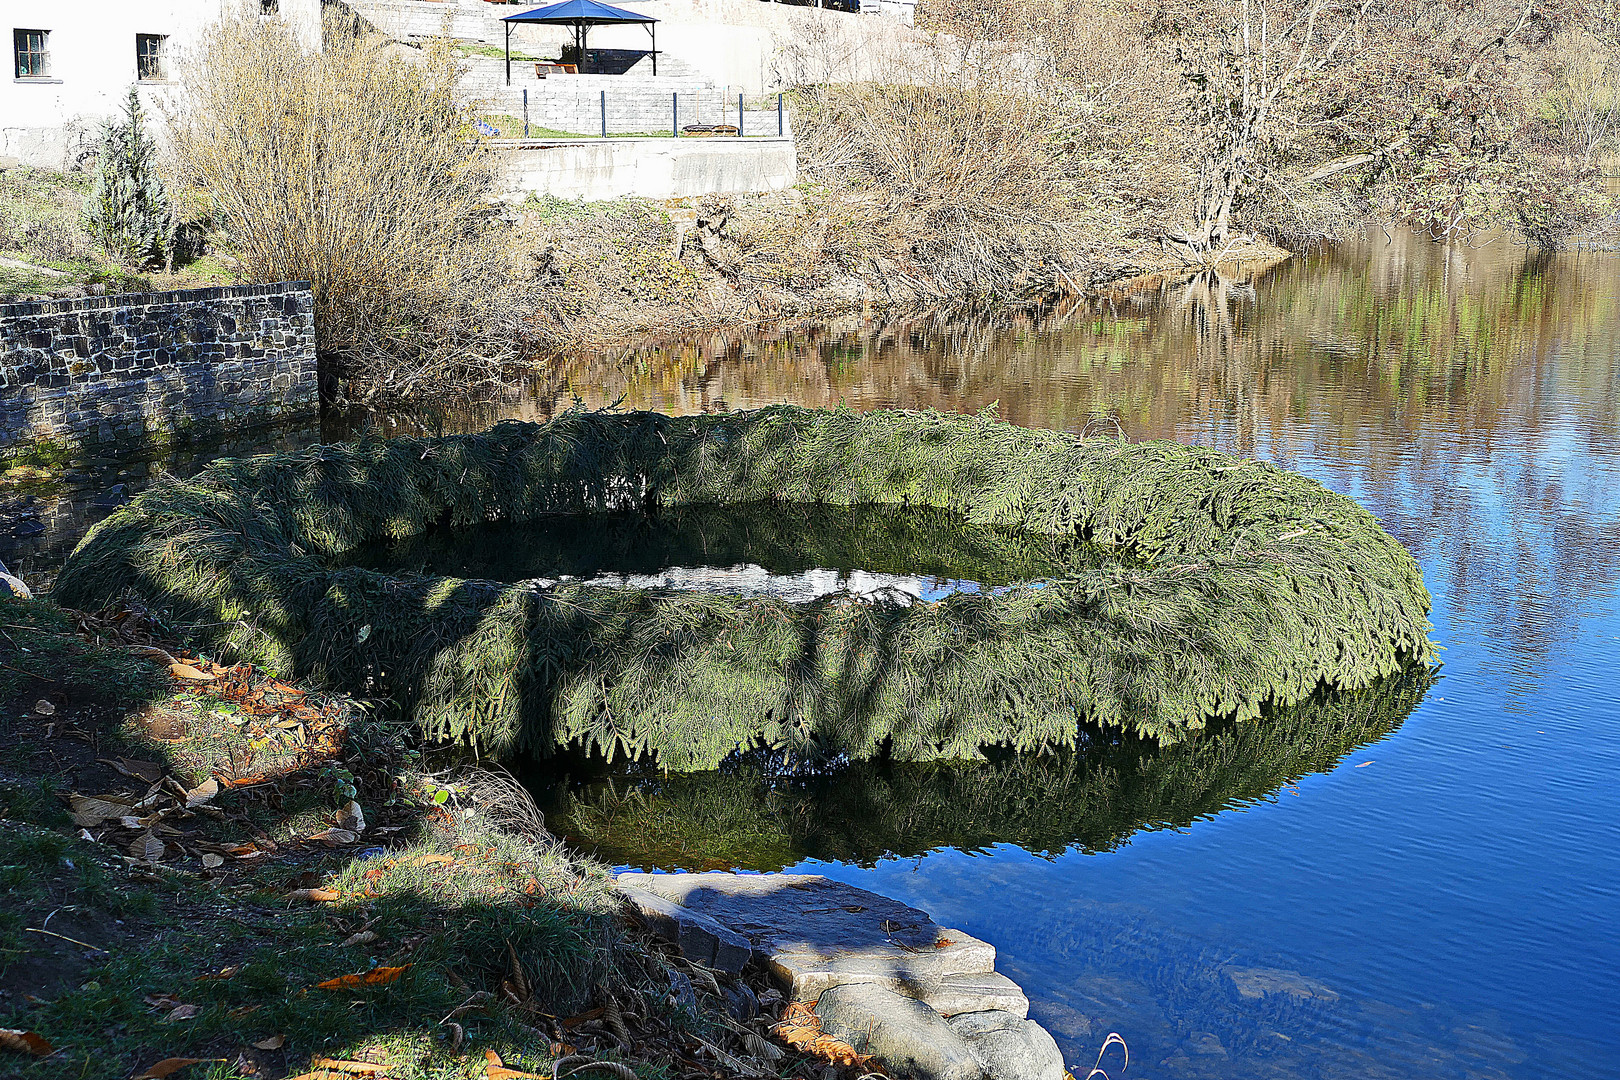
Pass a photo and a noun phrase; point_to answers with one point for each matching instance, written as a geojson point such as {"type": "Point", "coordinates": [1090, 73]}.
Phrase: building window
{"type": "Point", "coordinates": [33, 60]}
{"type": "Point", "coordinates": [269, 7]}
{"type": "Point", "coordinates": [149, 57]}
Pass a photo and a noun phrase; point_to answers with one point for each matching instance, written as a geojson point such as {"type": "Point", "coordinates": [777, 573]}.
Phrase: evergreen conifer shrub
{"type": "Point", "coordinates": [128, 211]}
{"type": "Point", "coordinates": [1238, 586]}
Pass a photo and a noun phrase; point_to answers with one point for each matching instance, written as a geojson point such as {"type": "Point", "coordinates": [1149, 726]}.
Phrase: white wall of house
{"type": "Point", "coordinates": [52, 121]}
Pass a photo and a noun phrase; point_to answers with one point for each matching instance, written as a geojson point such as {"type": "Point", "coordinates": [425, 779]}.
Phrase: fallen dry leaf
{"type": "Point", "coordinates": [334, 836]}
{"type": "Point", "coordinates": [91, 811]}
{"type": "Point", "coordinates": [43, 707]}
{"type": "Point", "coordinates": [375, 977]}
{"type": "Point", "coordinates": [189, 673]}
{"type": "Point", "coordinates": [168, 1067]}
{"type": "Point", "coordinates": [147, 772]}
{"type": "Point", "coordinates": [364, 937]}
{"type": "Point", "coordinates": [180, 1012]}
{"type": "Point", "coordinates": [147, 848]}
{"type": "Point", "coordinates": [25, 1042]}
{"type": "Point", "coordinates": [222, 973]}
{"type": "Point", "coordinates": [357, 1068]}
{"type": "Point", "coordinates": [351, 817]}
{"type": "Point", "coordinates": [212, 861]}
{"type": "Point", "coordinates": [314, 896]}
{"type": "Point", "coordinates": [202, 792]}
{"type": "Point", "coordinates": [428, 860]}
{"type": "Point", "coordinates": [274, 1042]}
{"type": "Point", "coordinates": [495, 1069]}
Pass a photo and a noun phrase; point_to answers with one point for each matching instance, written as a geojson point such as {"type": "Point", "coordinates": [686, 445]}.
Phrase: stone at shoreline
{"type": "Point", "coordinates": [979, 992]}
{"type": "Point", "coordinates": [972, 1025]}
{"type": "Point", "coordinates": [1022, 1052]}
{"type": "Point", "coordinates": [816, 933]}
{"type": "Point", "coordinates": [910, 1039]}
{"type": "Point", "coordinates": [924, 999]}
{"type": "Point", "coordinates": [699, 937]}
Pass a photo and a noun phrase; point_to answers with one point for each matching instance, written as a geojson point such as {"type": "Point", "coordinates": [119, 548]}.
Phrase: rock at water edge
{"type": "Point", "coordinates": [908, 1037]}
{"type": "Point", "coordinates": [980, 992]}
{"type": "Point", "coordinates": [1022, 1052]}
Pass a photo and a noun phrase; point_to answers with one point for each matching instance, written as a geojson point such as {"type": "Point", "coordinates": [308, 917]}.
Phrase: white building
{"type": "Point", "coordinates": [72, 64]}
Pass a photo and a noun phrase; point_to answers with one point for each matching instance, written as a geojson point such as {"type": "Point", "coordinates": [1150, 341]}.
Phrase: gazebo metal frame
{"type": "Point", "coordinates": [581, 15]}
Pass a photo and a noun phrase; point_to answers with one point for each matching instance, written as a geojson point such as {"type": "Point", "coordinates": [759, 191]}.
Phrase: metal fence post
{"type": "Point", "coordinates": [675, 114]}
{"type": "Point", "coordinates": [739, 114]}
{"type": "Point", "coordinates": [781, 124]}
{"type": "Point", "coordinates": [604, 114]}
{"type": "Point", "coordinates": [525, 112]}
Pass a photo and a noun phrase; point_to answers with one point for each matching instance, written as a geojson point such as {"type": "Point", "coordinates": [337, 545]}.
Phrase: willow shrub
{"type": "Point", "coordinates": [1236, 584]}
{"type": "Point", "coordinates": [357, 169]}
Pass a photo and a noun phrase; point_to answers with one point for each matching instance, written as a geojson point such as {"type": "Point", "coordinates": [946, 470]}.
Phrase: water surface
{"type": "Point", "coordinates": [1446, 891]}
{"type": "Point", "coordinates": [1427, 878]}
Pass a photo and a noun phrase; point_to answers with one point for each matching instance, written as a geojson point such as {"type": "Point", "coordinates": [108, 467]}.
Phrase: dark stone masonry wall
{"type": "Point", "coordinates": [113, 373]}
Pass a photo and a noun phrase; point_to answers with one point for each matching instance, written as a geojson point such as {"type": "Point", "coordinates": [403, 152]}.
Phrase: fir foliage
{"type": "Point", "coordinates": [128, 210]}
{"type": "Point", "coordinates": [1236, 583]}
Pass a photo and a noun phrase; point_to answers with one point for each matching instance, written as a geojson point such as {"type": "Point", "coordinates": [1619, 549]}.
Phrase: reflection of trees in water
{"type": "Point", "coordinates": [751, 815]}
{"type": "Point", "coordinates": [783, 538]}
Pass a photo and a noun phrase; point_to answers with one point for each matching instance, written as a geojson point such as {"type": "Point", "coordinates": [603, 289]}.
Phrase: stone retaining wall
{"type": "Point", "coordinates": [145, 369]}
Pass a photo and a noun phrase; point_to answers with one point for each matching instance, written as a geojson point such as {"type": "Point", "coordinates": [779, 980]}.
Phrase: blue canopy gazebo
{"type": "Point", "coordinates": [581, 15]}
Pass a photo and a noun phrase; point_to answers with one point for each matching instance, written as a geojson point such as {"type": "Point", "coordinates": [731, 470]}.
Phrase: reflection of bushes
{"type": "Point", "coordinates": [752, 814]}
{"type": "Point", "coordinates": [1258, 585]}
{"type": "Point", "coordinates": [783, 538]}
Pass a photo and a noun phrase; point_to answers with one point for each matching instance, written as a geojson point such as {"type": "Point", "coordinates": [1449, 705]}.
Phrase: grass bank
{"type": "Point", "coordinates": [47, 253]}
{"type": "Point", "coordinates": [210, 873]}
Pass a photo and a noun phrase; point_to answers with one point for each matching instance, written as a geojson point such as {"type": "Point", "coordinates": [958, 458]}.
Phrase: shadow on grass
{"type": "Point", "coordinates": [120, 962]}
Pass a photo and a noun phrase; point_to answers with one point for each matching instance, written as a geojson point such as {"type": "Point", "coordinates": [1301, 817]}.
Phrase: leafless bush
{"type": "Point", "coordinates": [1586, 98]}
{"type": "Point", "coordinates": [356, 170]}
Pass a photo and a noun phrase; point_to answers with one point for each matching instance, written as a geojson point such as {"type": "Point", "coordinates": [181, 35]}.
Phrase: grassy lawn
{"type": "Point", "coordinates": [45, 250]}
{"type": "Point", "coordinates": [208, 865]}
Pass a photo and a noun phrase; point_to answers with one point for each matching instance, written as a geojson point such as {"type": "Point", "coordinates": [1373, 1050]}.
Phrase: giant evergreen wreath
{"type": "Point", "coordinates": [1237, 584]}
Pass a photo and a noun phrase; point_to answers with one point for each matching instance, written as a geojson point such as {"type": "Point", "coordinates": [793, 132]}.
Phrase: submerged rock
{"type": "Point", "coordinates": [1257, 983]}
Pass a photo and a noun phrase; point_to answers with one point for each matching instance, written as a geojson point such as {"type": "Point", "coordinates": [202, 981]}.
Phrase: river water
{"type": "Point", "coordinates": [1418, 883]}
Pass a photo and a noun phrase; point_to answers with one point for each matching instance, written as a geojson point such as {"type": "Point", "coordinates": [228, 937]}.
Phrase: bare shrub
{"type": "Point", "coordinates": [1585, 99]}
{"type": "Point", "coordinates": [356, 169]}
{"type": "Point", "coordinates": [943, 180]}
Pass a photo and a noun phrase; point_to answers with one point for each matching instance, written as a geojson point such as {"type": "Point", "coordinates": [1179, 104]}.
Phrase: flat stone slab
{"type": "Point", "coordinates": [980, 992]}
{"type": "Point", "coordinates": [924, 999]}
{"type": "Point", "coordinates": [815, 933]}
{"type": "Point", "coordinates": [699, 937]}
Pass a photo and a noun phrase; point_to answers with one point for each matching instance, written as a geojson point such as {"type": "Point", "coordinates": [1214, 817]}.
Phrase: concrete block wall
{"type": "Point", "coordinates": [599, 169]}
{"type": "Point", "coordinates": [144, 369]}
{"type": "Point", "coordinates": [634, 103]}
